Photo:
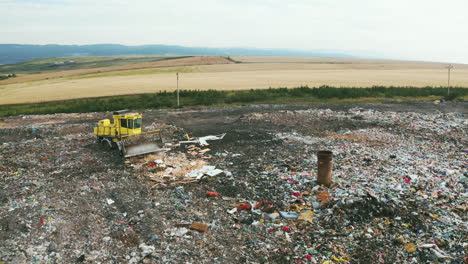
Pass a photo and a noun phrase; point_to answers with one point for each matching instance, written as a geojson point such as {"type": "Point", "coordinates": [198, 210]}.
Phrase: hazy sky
{"type": "Point", "coordinates": [430, 30]}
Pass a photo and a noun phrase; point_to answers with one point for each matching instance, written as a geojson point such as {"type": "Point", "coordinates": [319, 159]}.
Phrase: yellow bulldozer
{"type": "Point", "coordinates": [126, 136]}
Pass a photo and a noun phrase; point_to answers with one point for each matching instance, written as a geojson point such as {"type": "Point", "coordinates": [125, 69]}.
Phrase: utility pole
{"type": "Point", "coordinates": [178, 102]}
{"type": "Point", "coordinates": [448, 80]}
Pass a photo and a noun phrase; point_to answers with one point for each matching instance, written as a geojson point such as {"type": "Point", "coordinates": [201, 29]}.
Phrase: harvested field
{"type": "Point", "coordinates": [224, 75]}
{"type": "Point", "coordinates": [197, 60]}
{"type": "Point", "coordinates": [324, 60]}
{"type": "Point", "coordinates": [399, 192]}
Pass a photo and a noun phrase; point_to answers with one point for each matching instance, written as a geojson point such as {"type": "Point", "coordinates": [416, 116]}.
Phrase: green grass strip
{"type": "Point", "coordinates": [191, 98]}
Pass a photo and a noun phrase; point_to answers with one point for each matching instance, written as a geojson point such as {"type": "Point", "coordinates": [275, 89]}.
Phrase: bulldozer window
{"type": "Point", "coordinates": [123, 123]}
{"type": "Point", "coordinates": [137, 123]}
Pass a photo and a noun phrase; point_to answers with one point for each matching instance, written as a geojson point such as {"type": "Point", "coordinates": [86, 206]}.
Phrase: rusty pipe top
{"type": "Point", "coordinates": [324, 154]}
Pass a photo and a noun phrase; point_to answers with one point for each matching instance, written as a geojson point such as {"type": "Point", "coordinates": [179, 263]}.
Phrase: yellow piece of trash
{"type": "Point", "coordinates": [307, 216]}
{"type": "Point", "coordinates": [402, 240]}
{"type": "Point", "coordinates": [16, 172]}
{"type": "Point", "coordinates": [436, 216]}
{"type": "Point", "coordinates": [410, 247]}
{"type": "Point", "coordinates": [339, 260]}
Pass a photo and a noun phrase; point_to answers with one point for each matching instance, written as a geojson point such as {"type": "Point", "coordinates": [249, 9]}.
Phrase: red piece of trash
{"type": "Point", "coordinates": [296, 194]}
{"type": "Point", "coordinates": [308, 256]}
{"type": "Point", "coordinates": [287, 229]}
{"type": "Point", "coordinates": [41, 222]}
{"type": "Point", "coordinates": [212, 194]}
{"type": "Point", "coordinates": [152, 165]}
{"type": "Point", "coordinates": [244, 207]}
{"type": "Point", "coordinates": [261, 204]}
{"type": "Point", "coordinates": [406, 180]}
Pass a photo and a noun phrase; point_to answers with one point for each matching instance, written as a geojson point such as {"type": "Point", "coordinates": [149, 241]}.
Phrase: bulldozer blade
{"type": "Point", "coordinates": [140, 149]}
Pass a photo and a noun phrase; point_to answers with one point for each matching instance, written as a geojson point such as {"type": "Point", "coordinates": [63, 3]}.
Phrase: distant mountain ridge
{"type": "Point", "coordinates": [14, 53]}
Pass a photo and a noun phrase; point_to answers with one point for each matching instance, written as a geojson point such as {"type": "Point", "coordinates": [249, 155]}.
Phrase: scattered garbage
{"type": "Point", "coordinates": [398, 193]}
{"type": "Point", "coordinates": [205, 170]}
{"type": "Point", "coordinates": [203, 140]}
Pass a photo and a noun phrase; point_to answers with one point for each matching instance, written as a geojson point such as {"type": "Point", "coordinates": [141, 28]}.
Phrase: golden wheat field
{"type": "Point", "coordinates": [205, 73]}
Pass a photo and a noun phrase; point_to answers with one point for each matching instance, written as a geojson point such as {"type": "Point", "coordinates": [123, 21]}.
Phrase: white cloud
{"type": "Point", "coordinates": [417, 29]}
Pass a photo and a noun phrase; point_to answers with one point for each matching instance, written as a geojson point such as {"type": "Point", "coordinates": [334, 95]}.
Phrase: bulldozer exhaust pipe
{"type": "Point", "coordinates": [324, 164]}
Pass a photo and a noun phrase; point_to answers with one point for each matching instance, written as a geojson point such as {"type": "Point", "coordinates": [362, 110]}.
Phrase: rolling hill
{"type": "Point", "coordinates": [14, 53]}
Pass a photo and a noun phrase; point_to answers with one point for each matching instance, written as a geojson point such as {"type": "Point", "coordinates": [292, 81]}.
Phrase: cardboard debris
{"type": "Point", "coordinates": [307, 216]}
{"type": "Point", "coordinates": [323, 197]}
{"type": "Point", "coordinates": [199, 227]}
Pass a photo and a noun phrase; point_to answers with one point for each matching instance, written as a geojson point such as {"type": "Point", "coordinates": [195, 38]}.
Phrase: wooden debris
{"type": "Point", "coordinates": [199, 227]}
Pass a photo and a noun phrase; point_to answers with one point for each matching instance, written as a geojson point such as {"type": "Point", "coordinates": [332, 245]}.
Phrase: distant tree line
{"type": "Point", "coordinates": [4, 77]}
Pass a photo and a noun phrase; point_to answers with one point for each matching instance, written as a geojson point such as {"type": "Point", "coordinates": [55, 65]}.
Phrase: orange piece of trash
{"type": "Point", "coordinates": [212, 194]}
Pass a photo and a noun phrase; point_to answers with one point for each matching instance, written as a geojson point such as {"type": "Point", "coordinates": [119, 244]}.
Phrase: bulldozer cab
{"type": "Point", "coordinates": [127, 124]}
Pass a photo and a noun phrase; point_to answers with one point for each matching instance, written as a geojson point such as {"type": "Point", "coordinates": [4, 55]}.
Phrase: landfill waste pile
{"type": "Point", "coordinates": [238, 185]}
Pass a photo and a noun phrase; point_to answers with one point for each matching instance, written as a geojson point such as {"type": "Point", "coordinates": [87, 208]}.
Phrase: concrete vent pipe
{"type": "Point", "coordinates": [324, 162]}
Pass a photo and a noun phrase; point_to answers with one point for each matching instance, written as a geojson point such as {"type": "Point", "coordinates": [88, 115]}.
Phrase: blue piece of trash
{"type": "Point", "coordinates": [153, 238]}
{"type": "Point", "coordinates": [289, 215]}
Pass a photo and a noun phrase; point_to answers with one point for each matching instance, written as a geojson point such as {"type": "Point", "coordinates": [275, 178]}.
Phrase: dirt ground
{"type": "Point", "coordinates": [399, 193]}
